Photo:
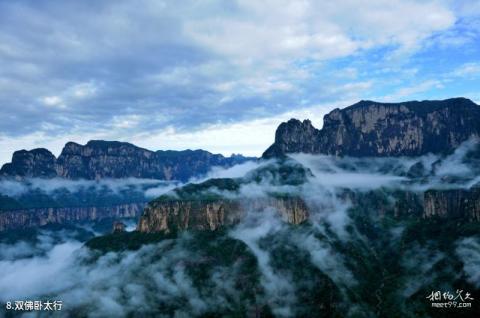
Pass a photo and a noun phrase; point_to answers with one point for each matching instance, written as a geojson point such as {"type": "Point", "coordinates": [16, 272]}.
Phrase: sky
{"type": "Point", "coordinates": [219, 75]}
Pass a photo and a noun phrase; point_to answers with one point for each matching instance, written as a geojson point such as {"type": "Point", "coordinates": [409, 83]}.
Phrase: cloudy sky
{"type": "Point", "coordinates": [219, 75]}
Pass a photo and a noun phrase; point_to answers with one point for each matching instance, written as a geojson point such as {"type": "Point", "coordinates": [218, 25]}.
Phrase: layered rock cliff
{"type": "Point", "coordinates": [25, 218]}
{"type": "Point", "coordinates": [209, 215]}
{"type": "Point", "coordinates": [371, 128]}
{"type": "Point", "coordinates": [458, 203]}
{"type": "Point", "coordinates": [34, 163]}
{"type": "Point", "coordinates": [34, 206]}
{"type": "Point", "coordinates": [177, 215]}
{"type": "Point", "coordinates": [364, 129]}
{"type": "Point", "coordinates": [111, 159]}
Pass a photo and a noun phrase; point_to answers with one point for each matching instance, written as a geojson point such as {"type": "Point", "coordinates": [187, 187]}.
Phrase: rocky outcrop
{"type": "Point", "coordinates": [209, 215]}
{"type": "Point", "coordinates": [36, 163]}
{"type": "Point", "coordinates": [370, 128]}
{"type": "Point", "coordinates": [177, 215]}
{"type": "Point", "coordinates": [112, 159]}
{"type": "Point", "coordinates": [19, 219]}
{"type": "Point", "coordinates": [294, 136]}
{"type": "Point", "coordinates": [463, 205]}
{"type": "Point", "coordinates": [118, 227]}
{"type": "Point", "coordinates": [458, 203]}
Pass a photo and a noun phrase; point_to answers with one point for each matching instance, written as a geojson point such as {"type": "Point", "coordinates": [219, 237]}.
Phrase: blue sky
{"type": "Point", "coordinates": [219, 75]}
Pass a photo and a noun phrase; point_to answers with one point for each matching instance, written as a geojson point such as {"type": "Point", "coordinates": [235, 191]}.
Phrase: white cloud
{"type": "Point", "coordinates": [126, 122]}
{"type": "Point", "coordinates": [468, 8]}
{"type": "Point", "coordinates": [408, 92]}
{"type": "Point", "coordinates": [70, 95]}
{"type": "Point", "coordinates": [323, 30]}
{"type": "Point", "coordinates": [195, 65]}
{"type": "Point", "coordinates": [84, 90]}
{"type": "Point", "coordinates": [249, 137]}
{"type": "Point", "coordinates": [53, 101]}
{"type": "Point", "coordinates": [467, 70]}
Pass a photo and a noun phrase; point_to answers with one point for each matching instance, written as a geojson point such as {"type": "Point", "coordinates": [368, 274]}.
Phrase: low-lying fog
{"type": "Point", "coordinates": [55, 265]}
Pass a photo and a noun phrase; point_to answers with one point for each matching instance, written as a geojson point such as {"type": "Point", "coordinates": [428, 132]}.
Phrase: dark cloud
{"type": "Point", "coordinates": [72, 67]}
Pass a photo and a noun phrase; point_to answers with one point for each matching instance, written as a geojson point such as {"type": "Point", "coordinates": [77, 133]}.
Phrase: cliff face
{"type": "Point", "coordinates": [294, 136]}
{"type": "Point", "coordinates": [110, 159]}
{"type": "Point", "coordinates": [464, 204]}
{"type": "Point", "coordinates": [37, 163]}
{"type": "Point", "coordinates": [19, 219]}
{"type": "Point", "coordinates": [210, 215]}
{"type": "Point", "coordinates": [383, 129]}
{"type": "Point", "coordinates": [98, 160]}
{"type": "Point", "coordinates": [364, 129]}
{"type": "Point", "coordinates": [177, 215]}
{"type": "Point", "coordinates": [93, 161]}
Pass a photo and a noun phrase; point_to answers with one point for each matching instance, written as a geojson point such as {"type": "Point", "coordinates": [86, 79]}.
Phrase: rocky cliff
{"type": "Point", "coordinates": [460, 204]}
{"type": "Point", "coordinates": [32, 206]}
{"type": "Point", "coordinates": [111, 159]}
{"type": "Point", "coordinates": [34, 163]}
{"type": "Point", "coordinates": [209, 215]}
{"type": "Point", "coordinates": [371, 128]}
{"type": "Point", "coordinates": [26, 218]}
{"type": "Point", "coordinates": [177, 215]}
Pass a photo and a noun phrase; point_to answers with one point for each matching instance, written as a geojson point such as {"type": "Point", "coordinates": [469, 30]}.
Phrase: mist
{"type": "Point", "coordinates": [150, 188]}
{"type": "Point", "coordinates": [157, 278]}
{"type": "Point", "coordinates": [16, 188]}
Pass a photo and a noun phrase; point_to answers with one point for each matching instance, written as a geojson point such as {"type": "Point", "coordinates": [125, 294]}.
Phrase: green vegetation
{"type": "Point", "coordinates": [284, 172]}
{"type": "Point", "coordinates": [287, 172]}
{"type": "Point", "coordinates": [383, 256]}
{"type": "Point", "coordinates": [209, 190]}
{"type": "Point", "coordinates": [126, 241]}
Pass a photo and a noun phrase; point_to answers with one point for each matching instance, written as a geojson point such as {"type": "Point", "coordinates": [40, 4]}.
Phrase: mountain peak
{"type": "Point", "coordinates": [38, 162]}
{"type": "Point", "coordinates": [293, 136]}
{"type": "Point", "coordinates": [370, 128]}
{"type": "Point", "coordinates": [99, 159]}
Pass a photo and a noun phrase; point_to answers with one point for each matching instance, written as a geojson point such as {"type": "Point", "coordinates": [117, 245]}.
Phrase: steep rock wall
{"type": "Point", "coordinates": [19, 219]}
{"type": "Point", "coordinates": [176, 215]}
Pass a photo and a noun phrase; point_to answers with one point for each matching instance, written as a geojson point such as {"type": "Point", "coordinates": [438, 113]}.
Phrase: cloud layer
{"type": "Point", "coordinates": [344, 256]}
{"type": "Point", "coordinates": [174, 75]}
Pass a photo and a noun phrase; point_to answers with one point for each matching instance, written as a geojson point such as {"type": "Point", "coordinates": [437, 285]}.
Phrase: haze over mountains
{"type": "Point", "coordinates": [365, 129]}
{"type": "Point", "coordinates": [353, 189]}
{"type": "Point", "coordinates": [370, 130]}
{"type": "Point", "coordinates": [362, 218]}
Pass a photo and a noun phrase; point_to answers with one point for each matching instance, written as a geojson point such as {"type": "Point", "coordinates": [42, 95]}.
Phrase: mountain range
{"type": "Point", "coordinates": [100, 159]}
{"type": "Point", "coordinates": [365, 129]}
{"type": "Point", "coordinates": [374, 129]}
{"type": "Point", "coordinates": [365, 217]}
